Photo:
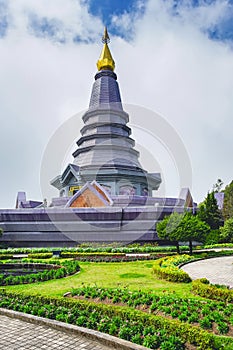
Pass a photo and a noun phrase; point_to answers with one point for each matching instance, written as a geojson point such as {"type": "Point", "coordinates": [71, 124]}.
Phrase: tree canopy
{"type": "Point", "coordinates": [226, 232]}
{"type": "Point", "coordinates": [210, 213]}
{"type": "Point", "coordinates": [228, 202]}
{"type": "Point", "coordinates": [182, 228]}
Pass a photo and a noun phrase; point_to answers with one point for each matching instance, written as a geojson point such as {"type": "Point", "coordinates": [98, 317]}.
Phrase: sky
{"type": "Point", "coordinates": [173, 58]}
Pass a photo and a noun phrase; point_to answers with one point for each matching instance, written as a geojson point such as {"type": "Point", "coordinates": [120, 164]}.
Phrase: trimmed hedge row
{"type": "Point", "coordinates": [97, 254]}
{"type": "Point", "coordinates": [108, 257]}
{"type": "Point", "coordinates": [218, 245]}
{"type": "Point", "coordinates": [6, 256]}
{"type": "Point", "coordinates": [68, 268]}
{"type": "Point", "coordinates": [98, 249]}
{"type": "Point", "coordinates": [119, 321]}
{"type": "Point", "coordinates": [40, 255]}
{"type": "Point", "coordinates": [167, 268]}
{"type": "Point", "coordinates": [202, 288]}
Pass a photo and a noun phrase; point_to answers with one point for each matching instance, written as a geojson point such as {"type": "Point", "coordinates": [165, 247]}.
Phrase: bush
{"type": "Point", "coordinates": [106, 257]}
{"type": "Point", "coordinates": [211, 291]}
{"type": "Point", "coordinates": [167, 268]}
{"type": "Point", "coordinates": [95, 248]}
{"type": "Point", "coordinates": [87, 255]}
{"type": "Point", "coordinates": [68, 268]}
{"type": "Point", "coordinates": [206, 323]}
{"type": "Point", "coordinates": [6, 256]}
{"type": "Point", "coordinates": [212, 237]}
{"type": "Point", "coordinates": [40, 255]}
{"type": "Point", "coordinates": [223, 327]}
{"type": "Point", "coordinates": [219, 245]}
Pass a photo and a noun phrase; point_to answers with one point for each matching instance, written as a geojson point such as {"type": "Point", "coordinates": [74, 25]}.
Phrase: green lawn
{"type": "Point", "coordinates": [134, 275]}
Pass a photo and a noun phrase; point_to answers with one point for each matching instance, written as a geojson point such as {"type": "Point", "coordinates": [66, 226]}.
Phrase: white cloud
{"type": "Point", "coordinates": [188, 78]}
{"type": "Point", "coordinates": [170, 66]}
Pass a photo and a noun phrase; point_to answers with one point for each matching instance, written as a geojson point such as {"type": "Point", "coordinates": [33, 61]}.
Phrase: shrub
{"type": "Point", "coordinates": [211, 291]}
{"type": "Point", "coordinates": [87, 255]}
{"type": "Point", "coordinates": [6, 256]}
{"type": "Point", "coordinates": [212, 237]}
{"type": "Point", "coordinates": [40, 255]}
{"type": "Point", "coordinates": [69, 267]}
{"type": "Point", "coordinates": [206, 323]}
{"type": "Point", "coordinates": [223, 327]}
{"type": "Point", "coordinates": [167, 268]}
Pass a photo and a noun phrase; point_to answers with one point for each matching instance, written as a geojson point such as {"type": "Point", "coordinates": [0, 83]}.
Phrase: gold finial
{"type": "Point", "coordinates": [105, 61]}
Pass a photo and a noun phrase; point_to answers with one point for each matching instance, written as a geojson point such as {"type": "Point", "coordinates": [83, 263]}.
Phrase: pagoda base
{"type": "Point", "coordinates": [69, 227]}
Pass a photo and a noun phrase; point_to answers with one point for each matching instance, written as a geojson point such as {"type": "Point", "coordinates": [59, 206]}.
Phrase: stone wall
{"type": "Point", "coordinates": [72, 226]}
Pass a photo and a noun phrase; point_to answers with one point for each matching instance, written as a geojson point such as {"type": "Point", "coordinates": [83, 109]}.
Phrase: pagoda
{"type": "Point", "coordinates": [105, 195]}
{"type": "Point", "coordinates": [105, 150]}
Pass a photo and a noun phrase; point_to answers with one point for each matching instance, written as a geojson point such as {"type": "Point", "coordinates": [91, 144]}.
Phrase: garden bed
{"type": "Point", "coordinates": [152, 331]}
{"type": "Point", "coordinates": [50, 271]}
{"type": "Point", "coordinates": [216, 317]}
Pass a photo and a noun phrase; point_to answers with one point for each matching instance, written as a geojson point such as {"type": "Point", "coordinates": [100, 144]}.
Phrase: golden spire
{"type": "Point", "coordinates": [106, 61]}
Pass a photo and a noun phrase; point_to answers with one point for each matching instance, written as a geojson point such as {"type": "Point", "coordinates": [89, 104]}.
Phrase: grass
{"type": "Point", "coordinates": [134, 275]}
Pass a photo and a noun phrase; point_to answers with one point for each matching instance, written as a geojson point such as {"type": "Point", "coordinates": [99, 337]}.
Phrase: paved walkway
{"type": "Point", "coordinates": [16, 334]}
{"type": "Point", "coordinates": [216, 270]}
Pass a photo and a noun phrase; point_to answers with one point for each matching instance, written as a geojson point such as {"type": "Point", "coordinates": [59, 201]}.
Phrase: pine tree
{"type": "Point", "coordinates": [210, 213]}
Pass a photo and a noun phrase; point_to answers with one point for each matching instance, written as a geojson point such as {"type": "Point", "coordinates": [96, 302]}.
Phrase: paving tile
{"type": "Point", "coordinates": [20, 335]}
{"type": "Point", "coordinates": [216, 270]}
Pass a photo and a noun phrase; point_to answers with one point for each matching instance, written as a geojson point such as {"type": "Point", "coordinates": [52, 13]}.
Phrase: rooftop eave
{"type": "Point", "coordinates": [56, 182]}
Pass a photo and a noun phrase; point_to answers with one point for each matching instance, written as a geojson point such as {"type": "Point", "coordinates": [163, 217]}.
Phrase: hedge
{"type": "Point", "coordinates": [202, 288]}
{"type": "Point", "coordinates": [6, 256]}
{"type": "Point", "coordinates": [81, 312]}
{"type": "Point", "coordinates": [68, 268]}
{"type": "Point", "coordinates": [97, 249]}
{"type": "Point", "coordinates": [167, 269]}
{"type": "Point", "coordinates": [97, 254]}
{"type": "Point", "coordinates": [40, 255]}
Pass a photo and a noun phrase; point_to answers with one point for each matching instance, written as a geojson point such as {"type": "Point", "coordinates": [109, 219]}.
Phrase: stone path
{"type": "Point", "coordinates": [216, 270]}
{"type": "Point", "coordinates": [16, 334]}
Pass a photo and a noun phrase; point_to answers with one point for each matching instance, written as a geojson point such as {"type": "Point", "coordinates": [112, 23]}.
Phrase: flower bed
{"type": "Point", "coordinates": [95, 249]}
{"type": "Point", "coordinates": [152, 331]}
{"type": "Point", "coordinates": [112, 257]}
{"type": "Point", "coordinates": [53, 272]}
{"type": "Point", "coordinates": [207, 314]}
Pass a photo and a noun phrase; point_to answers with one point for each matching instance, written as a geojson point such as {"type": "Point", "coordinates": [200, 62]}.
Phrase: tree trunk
{"type": "Point", "coordinates": [190, 247]}
{"type": "Point", "coordinates": [177, 248]}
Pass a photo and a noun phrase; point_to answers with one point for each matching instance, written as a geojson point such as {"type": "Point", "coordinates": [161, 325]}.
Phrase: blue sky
{"type": "Point", "coordinates": [172, 57]}
{"type": "Point", "coordinates": [106, 9]}
{"type": "Point", "coordinates": [220, 28]}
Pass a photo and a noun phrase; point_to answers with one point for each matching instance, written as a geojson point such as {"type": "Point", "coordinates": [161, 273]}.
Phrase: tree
{"type": "Point", "coordinates": [226, 232]}
{"type": "Point", "coordinates": [228, 202]}
{"type": "Point", "coordinates": [181, 228]}
{"type": "Point", "coordinates": [167, 228]}
{"type": "Point", "coordinates": [210, 213]}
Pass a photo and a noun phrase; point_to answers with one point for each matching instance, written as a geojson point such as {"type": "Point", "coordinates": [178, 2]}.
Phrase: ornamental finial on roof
{"type": "Point", "coordinates": [105, 61]}
{"type": "Point", "coordinates": [105, 37]}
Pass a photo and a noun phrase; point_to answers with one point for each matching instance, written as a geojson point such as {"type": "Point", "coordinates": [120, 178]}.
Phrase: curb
{"type": "Point", "coordinates": [105, 339]}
